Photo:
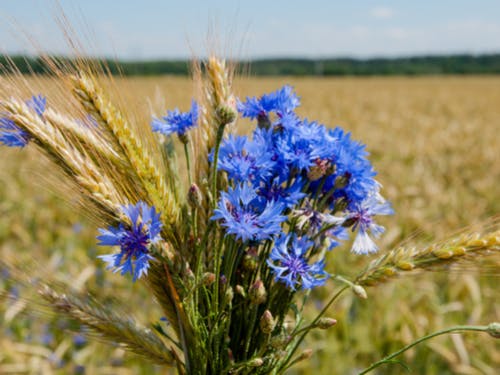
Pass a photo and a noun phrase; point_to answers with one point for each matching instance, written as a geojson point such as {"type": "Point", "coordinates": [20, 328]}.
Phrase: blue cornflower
{"type": "Point", "coordinates": [12, 135]}
{"type": "Point", "coordinates": [335, 235]}
{"type": "Point", "coordinates": [302, 144]}
{"type": "Point", "coordinates": [281, 101]}
{"type": "Point", "coordinates": [362, 217]}
{"type": "Point", "coordinates": [37, 103]}
{"type": "Point", "coordinates": [244, 160]}
{"type": "Point", "coordinates": [243, 215]}
{"type": "Point", "coordinates": [351, 162]}
{"type": "Point", "coordinates": [289, 264]}
{"type": "Point", "coordinates": [176, 121]}
{"type": "Point", "coordinates": [134, 239]}
{"type": "Point", "coordinates": [315, 220]}
{"type": "Point", "coordinates": [279, 191]}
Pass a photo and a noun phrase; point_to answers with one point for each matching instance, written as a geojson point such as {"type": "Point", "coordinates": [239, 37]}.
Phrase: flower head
{"type": "Point", "coordinates": [12, 135]}
{"type": "Point", "coordinates": [134, 239]}
{"type": "Point", "coordinates": [362, 217]}
{"type": "Point", "coordinates": [244, 216]}
{"type": "Point", "coordinates": [37, 103]}
{"type": "Point", "coordinates": [176, 121]}
{"type": "Point", "coordinates": [289, 264]}
{"type": "Point", "coordinates": [244, 160]}
{"type": "Point", "coordinates": [281, 102]}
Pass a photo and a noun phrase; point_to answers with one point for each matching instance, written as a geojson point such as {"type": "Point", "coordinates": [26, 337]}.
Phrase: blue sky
{"type": "Point", "coordinates": [144, 29]}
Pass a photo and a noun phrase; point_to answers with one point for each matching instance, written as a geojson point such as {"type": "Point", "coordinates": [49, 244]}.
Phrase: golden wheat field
{"type": "Point", "coordinates": [435, 144]}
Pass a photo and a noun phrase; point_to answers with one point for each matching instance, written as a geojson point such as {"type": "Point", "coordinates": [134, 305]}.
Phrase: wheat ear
{"type": "Point", "coordinates": [109, 326]}
{"type": "Point", "coordinates": [404, 259]}
{"type": "Point", "coordinates": [218, 108]}
{"type": "Point", "coordinates": [80, 167]}
{"type": "Point", "coordinates": [93, 100]}
{"type": "Point", "coordinates": [87, 137]}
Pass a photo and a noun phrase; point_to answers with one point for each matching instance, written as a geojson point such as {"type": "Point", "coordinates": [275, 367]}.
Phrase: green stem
{"type": "Point", "coordinates": [409, 346]}
{"type": "Point", "coordinates": [218, 139]}
{"type": "Point", "coordinates": [188, 163]}
{"type": "Point", "coordinates": [318, 317]}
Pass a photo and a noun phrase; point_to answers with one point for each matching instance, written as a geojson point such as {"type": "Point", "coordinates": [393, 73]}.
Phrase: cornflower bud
{"type": "Point", "coordinates": [257, 293]}
{"type": "Point", "coordinates": [267, 322]}
{"type": "Point", "coordinates": [229, 295]}
{"type": "Point", "coordinates": [494, 330]}
{"type": "Point", "coordinates": [341, 181]}
{"type": "Point", "coordinates": [227, 113]}
{"type": "Point", "coordinates": [318, 170]}
{"type": "Point", "coordinates": [183, 137]}
{"type": "Point", "coordinates": [256, 362]}
{"type": "Point", "coordinates": [306, 354]}
{"type": "Point", "coordinates": [194, 196]}
{"type": "Point", "coordinates": [263, 121]}
{"type": "Point", "coordinates": [325, 323]}
{"type": "Point", "coordinates": [359, 291]}
{"type": "Point", "coordinates": [250, 260]}
{"type": "Point", "coordinates": [240, 290]}
{"type": "Point", "coordinates": [340, 205]}
{"type": "Point", "coordinates": [208, 278]}
{"type": "Point", "coordinates": [189, 272]}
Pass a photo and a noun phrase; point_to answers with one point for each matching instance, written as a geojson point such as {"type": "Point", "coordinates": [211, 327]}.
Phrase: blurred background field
{"type": "Point", "coordinates": [434, 142]}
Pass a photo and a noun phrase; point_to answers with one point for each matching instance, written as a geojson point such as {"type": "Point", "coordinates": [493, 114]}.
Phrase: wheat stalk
{"type": "Point", "coordinates": [217, 100]}
{"type": "Point", "coordinates": [93, 100]}
{"type": "Point", "coordinates": [79, 166]}
{"type": "Point", "coordinates": [85, 135]}
{"type": "Point", "coordinates": [404, 259]}
{"type": "Point", "coordinates": [109, 326]}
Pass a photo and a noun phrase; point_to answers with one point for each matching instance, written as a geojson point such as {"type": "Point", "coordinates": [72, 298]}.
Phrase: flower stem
{"type": "Point", "coordinates": [424, 338]}
{"type": "Point", "coordinates": [188, 164]}
{"type": "Point", "coordinates": [218, 139]}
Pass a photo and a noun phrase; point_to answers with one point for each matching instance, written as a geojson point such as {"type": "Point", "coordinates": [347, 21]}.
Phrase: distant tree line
{"type": "Point", "coordinates": [421, 65]}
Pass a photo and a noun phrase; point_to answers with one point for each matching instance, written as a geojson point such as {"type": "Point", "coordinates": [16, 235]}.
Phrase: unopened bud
{"type": "Point", "coordinates": [250, 260]}
{"type": "Point", "coordinates": [240, 290]}
{"type": "Point", "coordinates": [267, 322]}
{"type": "Point", "coordinates": [183, 137]}
{"type": "Point", "coordinates": [359, 291]}
{"type": "Point", "coordinates": [306, 354]}
{"type": "Point", "coordinates": [340, 205]}
{"type": "Point", "coordinates": [226, 114]}
{"type": "Point", "coordinates": [325, 323]}
{"type": "Point", "coordinates": [341, 181]}
{"type": "Point", "coordinates": [257, 293]}
{"type": "Point", "coordinates": [263, 121]}
{"type": "Point", "coordinates": [229, 295]}
{"type": "Point", "coordinates": [256, 362]}
{"type": "Point", "coordinates": [318, 170]}
{"type": "Point", "coordinates": [189, 272]}
{"type": "Point", "coordinates": [194, 196]}
{"type": "Point", "coordinates": [208, 278]}
{"type": "Point", "coordinates": [230, 355]}
{"type": "Point", "coordinates": [494, 330]}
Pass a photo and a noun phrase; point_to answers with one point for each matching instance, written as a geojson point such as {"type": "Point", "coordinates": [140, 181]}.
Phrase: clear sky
{"type": "Point", "coordinates": [144, 29]}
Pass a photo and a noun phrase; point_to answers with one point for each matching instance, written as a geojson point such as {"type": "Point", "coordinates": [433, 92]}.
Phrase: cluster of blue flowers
{"type": "Point", "coordinates": [292, 170]}
{"type": "Point", "coordinates": [294, 182]}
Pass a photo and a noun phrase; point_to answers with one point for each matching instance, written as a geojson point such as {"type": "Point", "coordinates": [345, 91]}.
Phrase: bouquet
{"type": "Point", "coordinates": [232, 246]}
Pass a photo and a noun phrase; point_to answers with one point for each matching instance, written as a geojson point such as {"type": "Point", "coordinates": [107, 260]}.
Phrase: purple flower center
{"type": "Point", "coordinates": [296, 265]}
{"type": "Point", "coordinates": [135, 242]}
{"type": "Point", "coordinates": [363, 219]}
